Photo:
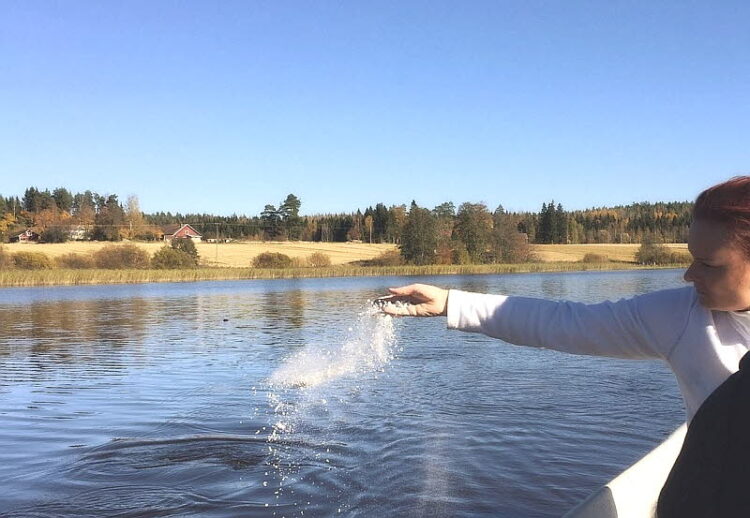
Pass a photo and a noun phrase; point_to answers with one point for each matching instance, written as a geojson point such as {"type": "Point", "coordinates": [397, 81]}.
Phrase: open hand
{"type": "Point", "coordinates": [419, 300]}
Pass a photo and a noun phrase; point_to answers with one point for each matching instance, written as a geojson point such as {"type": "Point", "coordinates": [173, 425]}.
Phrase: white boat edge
{"type": "Point", "coordinates": [634, 492]}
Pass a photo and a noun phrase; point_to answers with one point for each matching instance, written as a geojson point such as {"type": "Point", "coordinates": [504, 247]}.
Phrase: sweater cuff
{"type": "Point", "coordinates": [457, 304]}
{"type": "Point", "coordinates": [468, 311]}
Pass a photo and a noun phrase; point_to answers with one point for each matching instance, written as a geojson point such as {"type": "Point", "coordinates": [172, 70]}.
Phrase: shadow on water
{"type": "Point", "coordinates": [122, 458]}
{"type": "Point", "coordinates": [155, 477]}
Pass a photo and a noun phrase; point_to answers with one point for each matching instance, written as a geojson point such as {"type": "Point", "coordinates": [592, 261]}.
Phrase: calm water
{"type": "Point", "coordinates": [288, 398]}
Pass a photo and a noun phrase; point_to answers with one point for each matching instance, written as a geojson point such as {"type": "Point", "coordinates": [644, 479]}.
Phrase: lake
{"type": "Point", "coordinates": [293, 398]}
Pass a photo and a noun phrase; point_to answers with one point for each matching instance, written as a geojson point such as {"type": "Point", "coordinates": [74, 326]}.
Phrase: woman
{"type": "Point", "coordinates": [701, 331]}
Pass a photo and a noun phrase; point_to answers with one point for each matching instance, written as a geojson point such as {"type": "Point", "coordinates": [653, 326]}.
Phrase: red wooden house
{"type": "Point", "coordinates": [179, 231]}
{"type": "Point", "coordinates": [27, 236]}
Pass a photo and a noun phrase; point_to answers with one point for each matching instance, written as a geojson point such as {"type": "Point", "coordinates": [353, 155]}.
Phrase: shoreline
{"type": "Point", "coordinates": [67, 277]}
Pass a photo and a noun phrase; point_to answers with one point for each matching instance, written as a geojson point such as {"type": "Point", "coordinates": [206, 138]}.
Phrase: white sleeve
{"type": "Point", "coordinates": [646, 326]}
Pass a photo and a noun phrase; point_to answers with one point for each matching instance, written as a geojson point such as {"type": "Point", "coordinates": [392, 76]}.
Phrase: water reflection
{"type": "Point", "coordinates": [62, 324]}
{"type": "Point", "coordinates": [154, 401]}
{"type": "Point", "coordinates": [283, 309]}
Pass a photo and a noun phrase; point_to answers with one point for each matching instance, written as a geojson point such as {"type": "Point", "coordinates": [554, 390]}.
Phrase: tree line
{"type": "Point", "coordinates": [445, 234]}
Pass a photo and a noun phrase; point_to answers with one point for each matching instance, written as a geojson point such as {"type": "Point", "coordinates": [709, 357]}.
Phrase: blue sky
{"type": "Point", "coordinates": [222, 107]}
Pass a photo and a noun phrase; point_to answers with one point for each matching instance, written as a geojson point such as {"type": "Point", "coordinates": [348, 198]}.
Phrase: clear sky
{"type": "Point", "coordinates": [224, 106]}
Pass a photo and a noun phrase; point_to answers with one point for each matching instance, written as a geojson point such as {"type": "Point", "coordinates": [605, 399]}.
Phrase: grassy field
{"type": "Point", "coordinates": [614, 252]}
{"type": "Point", "coordinates": [231, 255]}
{"type": "Point", "coordinates": [239, 255]}
{"type": "Point", "coordinates": [234, 259]}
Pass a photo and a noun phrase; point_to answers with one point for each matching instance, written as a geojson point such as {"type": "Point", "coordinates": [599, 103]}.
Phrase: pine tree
{"type": "Point", "coordinates": [419, 238]}
{"type": "Point", "coordinates": [271, 222]}
{"type": "Point", "coordinates": [289, 212]}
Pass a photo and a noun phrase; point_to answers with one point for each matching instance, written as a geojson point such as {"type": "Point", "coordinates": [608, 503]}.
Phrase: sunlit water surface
{"type": "Point", "coordinates": [293, 398]}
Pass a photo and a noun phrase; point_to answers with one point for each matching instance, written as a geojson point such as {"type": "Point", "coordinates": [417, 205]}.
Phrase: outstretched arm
{"type": "Point", "coordinates": [646, 326]}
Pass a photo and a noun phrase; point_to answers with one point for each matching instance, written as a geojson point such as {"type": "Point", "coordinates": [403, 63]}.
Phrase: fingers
{"type": "Point", "coordinates": [404, 290]}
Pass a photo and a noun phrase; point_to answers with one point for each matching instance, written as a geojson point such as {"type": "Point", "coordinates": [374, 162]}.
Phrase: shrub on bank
{"type": "Point", "coordinates": [148, 233]}
{"type": "Point", "coordinates": [318, 260]}
{"type": "Point", "coordinates": [592, 258]}
{"type": "Point", "coordinates": [658, 254]}
{"type": "Point", "coordinates": [116, 257]}
{"type": "Point", "coordinates": [459, 253]}
{"type": "Point", "coordinates": [272, 260]}
{"type": "Point", "coordinates": [186, 246]}
{"type": "Point", "coordinates": [680, 257]}
{"type": "Point", "coordinates": [31, 261]}
{"type": "Point", "coordinates": [53, 235]}
{"type": "Point", "coordinates": [75, 261]}
{"type": "Point", "coordinates": [168, 258]}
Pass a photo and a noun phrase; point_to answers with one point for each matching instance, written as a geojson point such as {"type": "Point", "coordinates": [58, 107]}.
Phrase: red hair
{"type": "Point", "coordinates": [728, 203]}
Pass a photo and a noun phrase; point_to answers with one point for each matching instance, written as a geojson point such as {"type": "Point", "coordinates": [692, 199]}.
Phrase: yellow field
{"type": "Point", "coordinates": [615, 252]}
{"type": "Point", "coordinates": [228, 254]}
{"type": "Point", "coordinates": [236, 255]}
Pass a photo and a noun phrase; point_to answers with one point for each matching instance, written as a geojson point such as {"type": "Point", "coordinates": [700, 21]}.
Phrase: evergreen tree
{"type": "Point", "coordinates": [109, 220]}
{"type": "Point", "coordinates": [560, 225]}
{"type": "Point", "coordinates": [31, 199]}
{"type": "Point", "coordinates": [63, 199]}
{"type": "Point", "coordinates": [272, 224]}
{"type": "Point", "coordinates": [380, 222]}
{"type": "Point", "coordinates": [445, 210]}
{"type": "Point", "coordinates": [289, 212]}
{"type": "Point", "coordinates": [419, 237]}
{"type": "Point", "coordinates": [545, 229]}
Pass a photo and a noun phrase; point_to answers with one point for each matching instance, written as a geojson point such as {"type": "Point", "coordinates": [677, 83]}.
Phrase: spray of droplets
{"type": "Point", "coordinates": [368, 348]}
{"type": "Point", "coordinates": [304, 383]}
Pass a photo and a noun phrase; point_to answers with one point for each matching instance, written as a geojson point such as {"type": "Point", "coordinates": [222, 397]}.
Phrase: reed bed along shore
{"type": "Point", "coordinates": [68, 277]}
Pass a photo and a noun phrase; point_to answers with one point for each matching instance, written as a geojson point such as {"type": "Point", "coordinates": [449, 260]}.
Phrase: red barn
{"type": "Point", "coordinates": [27, 236]}
{"type": "Point", "coordinates": [180, 232]}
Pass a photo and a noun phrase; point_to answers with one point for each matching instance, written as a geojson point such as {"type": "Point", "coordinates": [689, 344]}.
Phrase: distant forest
{"type": "Point", "coordinates": [469, 232]}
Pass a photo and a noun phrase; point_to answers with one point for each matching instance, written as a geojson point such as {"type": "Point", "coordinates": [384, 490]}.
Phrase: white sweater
{"type": "Point", "coordinates": [702, 347]}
